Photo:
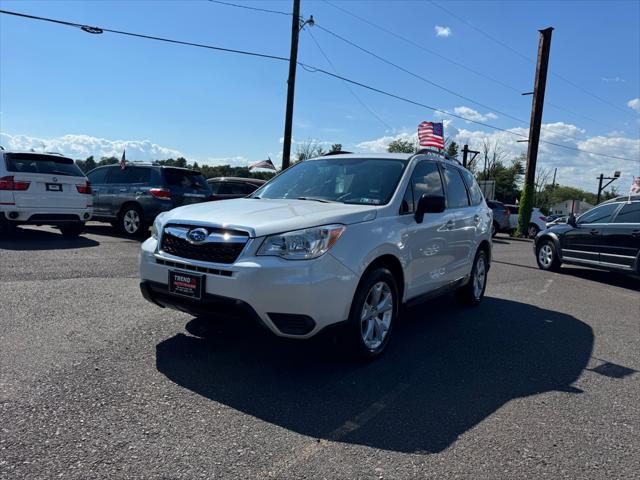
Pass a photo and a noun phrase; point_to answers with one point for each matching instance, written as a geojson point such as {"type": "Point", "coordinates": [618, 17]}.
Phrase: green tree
{"type": "Point", "coordinates": [309, 149]}
{"type": "Point", "coordinates": [402, 146]}
{"type": "Point", "coordinates": [452, 149]}
{"type": "Point", "coordinates": [336, 147]}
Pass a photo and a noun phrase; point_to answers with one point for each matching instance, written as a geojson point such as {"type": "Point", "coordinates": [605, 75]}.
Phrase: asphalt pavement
{"type": "Point", "coordinates": [540, 381]}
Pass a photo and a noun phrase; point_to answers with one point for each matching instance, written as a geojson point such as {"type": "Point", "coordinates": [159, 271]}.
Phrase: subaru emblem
{"type": "Point", "coordinates": [197, 235]}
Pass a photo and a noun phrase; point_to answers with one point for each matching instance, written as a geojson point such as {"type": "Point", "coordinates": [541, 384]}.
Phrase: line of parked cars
{"type": "Point", "coordinates": [505, 219]}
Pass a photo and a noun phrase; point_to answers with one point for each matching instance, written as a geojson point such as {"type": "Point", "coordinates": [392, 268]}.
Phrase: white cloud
{"type": "Point", "coordinates": [471, 114]}
{"type": "Point", "coordinates": [634, 104]}
{"type": "Point", "coordinates": [442, 31]}
{"type": "Point", "coordinates": [237, 161]}
{"type": "Point", "coordinates": [578, 169]}
{"type": "Point", "coordinates": [613, 79]}
{"type": "Point", "coordinates": [83, 146]}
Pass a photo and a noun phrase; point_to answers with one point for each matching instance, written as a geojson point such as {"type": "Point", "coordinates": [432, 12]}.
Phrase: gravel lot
{"type": "Point", "coordinates": [540, 381]}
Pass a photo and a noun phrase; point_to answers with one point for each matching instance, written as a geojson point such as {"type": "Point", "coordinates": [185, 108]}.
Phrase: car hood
{"type": "Point", "coordinates": [266, 216]}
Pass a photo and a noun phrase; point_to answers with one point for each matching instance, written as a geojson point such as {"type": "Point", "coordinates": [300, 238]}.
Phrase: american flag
{"type": "Point", "coordinates": [431, 134]}
{"type": "Point", "coordinates": [123, 161]}
{"type": "Point", "coordinates": [268, 164]}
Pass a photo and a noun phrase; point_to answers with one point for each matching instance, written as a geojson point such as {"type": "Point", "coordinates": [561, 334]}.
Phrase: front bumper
{"type": "Point", "coordinates": [293, 299]}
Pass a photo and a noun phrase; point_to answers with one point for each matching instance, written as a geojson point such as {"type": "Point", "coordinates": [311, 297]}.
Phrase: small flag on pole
{"type": "Point", "coordinates": [123, 161]}
{"type": "Point", "coordinates": [268, 164]}
{"type": "Point", "coordinates": [431, 134]}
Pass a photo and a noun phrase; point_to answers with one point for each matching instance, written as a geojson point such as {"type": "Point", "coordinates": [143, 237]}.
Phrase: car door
{"type": "Point", "coordinates": [117, 189]}
{"type": "Point", "coordinates": [98, 179]}
{"type": "Point", "coordinates": [621, 238]}
{"type": "Point", "coordinates": [582, 243]}
{"type": "Point", "coordinates": [461, 220]}
{"type": "Point", "coordinates": [425, 243]}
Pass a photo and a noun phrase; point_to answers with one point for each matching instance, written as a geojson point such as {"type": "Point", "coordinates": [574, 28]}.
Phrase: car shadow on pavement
{"type": "Point", "coordinates": [106, 230]}
{"type": "Point", "coordinates": [25, 239]}
{"type": "Point", "coordinates": [445, 371]}
{"type": "Point", "coordinates": [614, 279]}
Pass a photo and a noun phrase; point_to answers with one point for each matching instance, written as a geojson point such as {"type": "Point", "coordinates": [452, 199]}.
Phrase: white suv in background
{"type": "Point", "coordinates": [337, 239]}
{"type": "Point", "coordinates": [43, 189]}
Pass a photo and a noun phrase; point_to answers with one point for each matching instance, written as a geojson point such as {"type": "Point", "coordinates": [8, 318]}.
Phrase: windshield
{"type": "Point", "coordinates": [35, 163]}
{"type": "Point", "coordinates": [359, 181]}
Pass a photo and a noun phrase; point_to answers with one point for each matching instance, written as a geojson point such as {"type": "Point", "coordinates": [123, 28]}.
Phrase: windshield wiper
{"type": "Point", "coordinates": [316, 199]}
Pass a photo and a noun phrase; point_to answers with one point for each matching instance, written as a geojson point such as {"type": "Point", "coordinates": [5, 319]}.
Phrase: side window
{"type": "Point", "coordinates": [140, 175]}
{"type": "Point", "coordinates": [407, 201]}
{"type": "Point", "coordinates": [425, 179]}
{"type": "Point", "coordinates": [630, 213]}
{"type": "Point", "coordinates": [474, 190]}
{"type": "Point", "coordinates": [456, 191]}
{"type": "Point", "coordinates": [231, 188]}
{"type": "Point", "coordinates": [119, 175]}
{"type": "Point", "coordinates": [215, 187]}
{"type": "Point", "coordinates": [249, 188]}
{"type": "Point", "coordinates": [98, 176]}
{"type": "Point", "coordinates": [600, 214]}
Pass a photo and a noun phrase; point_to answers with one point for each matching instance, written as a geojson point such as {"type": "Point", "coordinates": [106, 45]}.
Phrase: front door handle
{"type": "Point", "coordinates": [594, 231]}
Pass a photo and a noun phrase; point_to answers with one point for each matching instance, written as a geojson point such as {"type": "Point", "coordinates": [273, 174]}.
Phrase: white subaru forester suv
{"type": "Point", "coordinates": [43, 189]}
{"type": "Point", "coordinates": [344, 238]}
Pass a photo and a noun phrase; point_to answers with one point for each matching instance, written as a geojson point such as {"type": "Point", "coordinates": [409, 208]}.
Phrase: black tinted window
{"type": "Point", "coordinates": [185, 179]}
{"type": "Point", "coordinates": [249, 188]}
{"type": "Point", "coordinates": [630, 213]}
{"type": "Point", "coordinates": [472, 186]}
{"type": "Point", "coordinates": [35, 163]}
{"type": "Point", "coordinates": [140, 175]}
{"type": "Point", "coordinates": [600, 214]}
{"type": "Point", "coordinates": [456, 191]}
{"type": "Point", "coordinates": [98, 175]}
{"type": "Point", "coordinates": [233, 188]}
{"type": "Point", "coordinates": [425, 179]}
{"type": "Point", "coordinates": [215, 187]}
{"type": "Point", "coordinates": [120, 175]}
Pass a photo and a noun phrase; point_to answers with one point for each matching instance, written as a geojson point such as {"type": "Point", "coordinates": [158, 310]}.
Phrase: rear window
{"type": "Point", "coordinates": [185, 179]}
{"type": "Point", "coordinates": [49, 164]}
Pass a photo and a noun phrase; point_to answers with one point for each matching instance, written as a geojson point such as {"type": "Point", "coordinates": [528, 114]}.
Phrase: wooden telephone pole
{"type": "Point", "coordinates": [526, 199]}
{"type": "Point", "coordinates": [291, 84]}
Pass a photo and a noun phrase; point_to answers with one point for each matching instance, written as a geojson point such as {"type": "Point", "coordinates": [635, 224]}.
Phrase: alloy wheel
{"type": "Point", "coordinates": [131, 221]}
{"type": "Point", "coordinates": [479, 278]}
{"type": "Point", "coordinates": [376, 315]}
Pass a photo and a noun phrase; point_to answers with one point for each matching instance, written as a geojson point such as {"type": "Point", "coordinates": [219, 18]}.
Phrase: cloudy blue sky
{"type": "Point", "coordinates": [88, 94]}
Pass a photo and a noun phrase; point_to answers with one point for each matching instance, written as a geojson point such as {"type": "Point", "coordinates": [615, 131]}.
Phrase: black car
{"type": "Point", "coordinates": [130, 198]}
{"type": "Point", "coordinates": [607, 237]}
{"type": "Point", "coordinates": [224, 188]}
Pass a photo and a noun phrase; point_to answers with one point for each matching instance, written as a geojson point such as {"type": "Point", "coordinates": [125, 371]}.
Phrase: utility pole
{"type": "Point", "coordinates": [526, 199]}
{"type": "Point", "coordinates": [555, 171]}
{"type": "Point", "coordinates": [616, 175]}
{"type": "Point", "coordinates": [291, 84]}
{"type": "Point", "coordinates": [465, 154]}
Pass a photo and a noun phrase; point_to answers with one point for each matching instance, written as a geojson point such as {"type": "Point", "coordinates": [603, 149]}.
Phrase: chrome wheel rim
{"type": "Point", "coordinates": [376, 315]}
{"type": "Point", "coordinates": [131, 221]}
{"type": "Point", "coordinates": [533, 231]}
{"type": "Point", "coordinates": [545, 255]}
{"type": "Point", "coordinates": [479, 278]}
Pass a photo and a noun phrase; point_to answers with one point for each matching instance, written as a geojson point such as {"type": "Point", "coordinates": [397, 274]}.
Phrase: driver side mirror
{"type": "Point", "coordinates": [429, 204]}
{"type": "Point", "coordinates": [572, 220]}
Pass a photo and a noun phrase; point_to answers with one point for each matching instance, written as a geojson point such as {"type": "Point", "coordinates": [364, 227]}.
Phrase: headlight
{"type": "Point", "coordinates": [157, 225]}
{"type": "Point", "coordinates": [302, 244]}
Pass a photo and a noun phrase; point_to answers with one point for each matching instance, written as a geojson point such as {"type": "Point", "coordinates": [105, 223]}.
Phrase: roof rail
{"type": "Point", "coordinates": [339, 152]}
{"type": "Point", "coordinates": [437, 152]}
{"type": "Point", "coordinates": [54, 153]}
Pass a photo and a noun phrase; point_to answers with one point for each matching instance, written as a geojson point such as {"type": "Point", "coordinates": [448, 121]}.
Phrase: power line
{"type": "Point", "coordinates": [389, 62]}
{"type": "Point", "coordinates": [309, 68]}
{"type": "Point", "coordinates": [247, 7]}
{"type": "Point", "coordinates": [453, 62]}
{"type": "Point", "coordinates": [356, 96]}
{"type": "Point", "coordinates": [529, 59]}
{"type": "Point", "coordinates": [98, 30]}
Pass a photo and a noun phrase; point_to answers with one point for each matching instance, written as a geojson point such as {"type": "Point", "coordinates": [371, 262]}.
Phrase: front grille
{"type": "Point", "coordinates": [213, 252]}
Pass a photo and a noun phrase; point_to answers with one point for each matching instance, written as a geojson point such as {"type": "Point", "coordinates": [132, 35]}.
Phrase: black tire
{"type": "Point", "coordinates": [357, 326]}
{"type": "Point", "coordinates": [131, 221]}
{"type": "Point", "coordinates": [533, 230]}
{"type": "Point", "coordinates": [471, 294]}
{"type": "Point", "coordinates": [547, 256]}
{"type": "Point", "coordinates": [494, 229]}
{"type": "Point", "coordinates": [72, 230]}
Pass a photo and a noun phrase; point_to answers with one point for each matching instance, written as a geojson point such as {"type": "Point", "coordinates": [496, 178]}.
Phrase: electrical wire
{"type": "Point", "coordinates": [309, 68]}
{"type": "Point", "coordinates": [529, 59]}
{"type": "Point", "coordinates": [247, 7]}
{"type": "Point", "coordinates": [356, 96]}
